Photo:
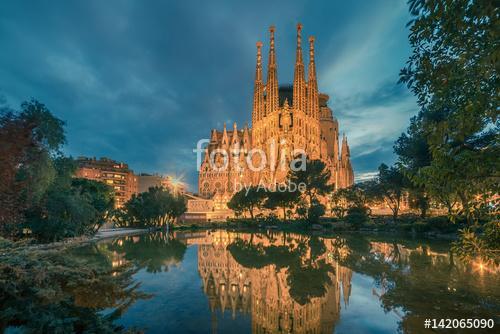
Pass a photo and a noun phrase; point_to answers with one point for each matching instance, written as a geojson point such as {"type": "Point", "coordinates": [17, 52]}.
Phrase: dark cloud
{"type": "Point", "coordinates": [142, 82]}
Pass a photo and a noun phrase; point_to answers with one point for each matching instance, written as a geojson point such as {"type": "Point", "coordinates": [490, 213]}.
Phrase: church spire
{"type": "Point", "coordinates": [225, 139]}
{"type": "Point", "coordinates": [272, 99]}
{"type": "Point", "coordinates": [235, 140]}
{"type": "Point", "coordinates": [299, 84]}
{"type": "Point", "coordinates": [345, 153]}
{"type": "Point", "coordinates": [312, 83]}
{"type": "Point", "coordinates": [258, 93]}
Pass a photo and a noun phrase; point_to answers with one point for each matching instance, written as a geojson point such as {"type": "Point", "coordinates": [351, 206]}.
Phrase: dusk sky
{"type": "Point", "coordinates": [143, 81]}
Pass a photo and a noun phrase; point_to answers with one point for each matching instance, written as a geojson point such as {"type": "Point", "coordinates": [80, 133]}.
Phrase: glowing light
{"type": "Point", "coordinates": [479, 266]}
{"type": "Point", "coordinates": [177, 183]}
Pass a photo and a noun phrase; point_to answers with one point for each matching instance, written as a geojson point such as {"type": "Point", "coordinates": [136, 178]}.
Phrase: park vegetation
{"type": "Point", "coordinates": [39, 196]}
{"type": "Point", "coordinates": [156, 208]}
{"type": "Point", "coordinates": [78, 288]}
{"type": "Point", "coordinates": [291, 202]}
{"type": "Point", "coordinates": [450, 152]}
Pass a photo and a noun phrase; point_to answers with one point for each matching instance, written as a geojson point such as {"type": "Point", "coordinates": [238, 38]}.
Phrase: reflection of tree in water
{"type": "Point", "coordinates": [64, 291]}
{"type": "Point", "coordinates": [307, 277]}
{"type": "Point", "coordinates": [424, 283]}
{"type": "Point", "coordinates": [155, 252]}
{"type": "Point", "coordinates": [288, 283]}
{"type": "Point", "coordinates": [309, 281]}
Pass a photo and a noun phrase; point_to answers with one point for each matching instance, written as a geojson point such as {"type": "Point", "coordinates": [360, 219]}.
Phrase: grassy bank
{"type": "Point", "coordinates": [51, 288]}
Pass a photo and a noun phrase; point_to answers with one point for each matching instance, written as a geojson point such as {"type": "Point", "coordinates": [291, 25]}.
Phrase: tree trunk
{"type": "Point", "coordinates": [395, 212]}
{"type": "Point", "coordinates": [423, 212]}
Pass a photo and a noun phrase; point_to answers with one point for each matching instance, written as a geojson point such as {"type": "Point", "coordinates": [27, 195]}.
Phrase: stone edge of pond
{"type": "Point", "coordinates": [77, 241]}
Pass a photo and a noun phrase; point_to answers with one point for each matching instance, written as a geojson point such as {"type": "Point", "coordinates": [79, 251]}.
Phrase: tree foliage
{"type": "Point", "coordinates": [156, 207]}
{"type": "Point", "coordinates": [248, 199]}
{"type": "Point", "coordinates": [316, 178]}
{"type": "Point", "coordinates": [69, 207]}
{"type": "Point", "coordinates": [451, 149]}
{"type": "Point", "coordinates": [453, 72]}
{"type": "Point", "coordinates": [391, 185]}
{"type": "Point", "coordinates": [37, 190]}
{"type": "Point", "coordinates": [282, 198]}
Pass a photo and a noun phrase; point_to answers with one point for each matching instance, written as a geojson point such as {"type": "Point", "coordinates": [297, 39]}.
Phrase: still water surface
{"type": "Point", "coordinates": [274, 282]}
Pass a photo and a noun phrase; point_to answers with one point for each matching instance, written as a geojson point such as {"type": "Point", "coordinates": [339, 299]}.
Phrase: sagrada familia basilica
{"type": "Point", "coordinates": [285, 120]}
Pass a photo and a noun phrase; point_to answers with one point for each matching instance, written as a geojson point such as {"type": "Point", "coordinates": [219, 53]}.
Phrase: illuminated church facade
{"type": "Point", "coordinates": [285, 120]}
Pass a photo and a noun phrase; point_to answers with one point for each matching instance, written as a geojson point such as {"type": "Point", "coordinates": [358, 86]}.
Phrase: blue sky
{"type": "Point", "coordinates": [143, 81]}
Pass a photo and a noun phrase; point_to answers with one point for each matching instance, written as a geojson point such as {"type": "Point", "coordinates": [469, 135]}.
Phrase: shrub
{"type": "Point", "coordinates": [357, 216]}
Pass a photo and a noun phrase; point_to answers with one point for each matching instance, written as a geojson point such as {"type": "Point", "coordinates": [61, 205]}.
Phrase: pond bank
{"type": "Point", "coordinates": [116, 232]}
{"type": "Point", "coordinates": [76, 241]}
{"type": "Point", "coordinates": [435, 227]}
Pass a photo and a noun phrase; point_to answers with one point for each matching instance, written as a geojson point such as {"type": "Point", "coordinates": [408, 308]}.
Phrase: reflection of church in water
{"type": "Point", "coordinates": [264, 293]}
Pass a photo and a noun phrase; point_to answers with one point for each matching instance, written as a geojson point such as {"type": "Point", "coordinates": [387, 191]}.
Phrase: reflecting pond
{"type": "Point", "coordinates": [273, 282]}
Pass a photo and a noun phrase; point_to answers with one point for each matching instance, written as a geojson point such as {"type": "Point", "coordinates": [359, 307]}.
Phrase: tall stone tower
{"type": "Point", "coordinates": [285, 119]}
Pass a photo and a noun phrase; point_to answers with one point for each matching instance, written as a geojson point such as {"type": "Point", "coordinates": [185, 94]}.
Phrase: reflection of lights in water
{"type": "Point", "coordinates": [117, 263]}
{"type": "Point", "coordinates": [480, 266]}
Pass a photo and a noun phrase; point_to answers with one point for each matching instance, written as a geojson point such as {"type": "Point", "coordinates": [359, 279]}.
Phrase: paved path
{"type": "Point", "coordinates": [116, 232]}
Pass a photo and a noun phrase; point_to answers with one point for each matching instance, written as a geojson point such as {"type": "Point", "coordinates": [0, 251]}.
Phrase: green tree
{"type": "Point", "coordinates": [414, 153]}
{"type": "Point", "coordinates": [248, 199]}
{"type": "Point", "coordinates": [339, 203]}
{"type": "Point", "coordinates": [282, 198]}
{"type": "Point", "coordinates": [156, 207]}
{"type": "Point", "coordinates": [47, 134]}
{"type": "Point", "coordinates": [474, 245]}
{"type": "Point", "coordinates": [315, 211]}
{"type": "Point", "coordinates": [100, 197]}
{"type": "Point", "coordinates": [236, 203]}
{"type": "Point", "coordinates": [69, 207]}
{"type": "Point", "coordinates": [453, 71]}
{"type": "Point", "coordinates": [316, 179]}
{"type": "Point", "coordinates": [391, 186]}
{"type": "Point", "coordinates": [357, 216]}
{"type": "Point", "coordinates": [15, 138]}
{"type": "Point", "coordinates": [30, 140]}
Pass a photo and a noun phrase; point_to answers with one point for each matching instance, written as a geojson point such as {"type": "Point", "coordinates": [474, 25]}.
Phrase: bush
{"type": "Point", "coordinates": [271, 219]}
{"type": "Point", "coordinates": [357, 216]}
{"type": "Point", "coordinates": [442, 224]}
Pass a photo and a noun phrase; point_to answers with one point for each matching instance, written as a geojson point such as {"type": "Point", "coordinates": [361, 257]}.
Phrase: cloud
{"type": "Point", "coordinates": [366, 176]}
{"type": "Point", "coordinates": [373, 119]}
{"type": "Point", "coordinates": [143, 83]}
